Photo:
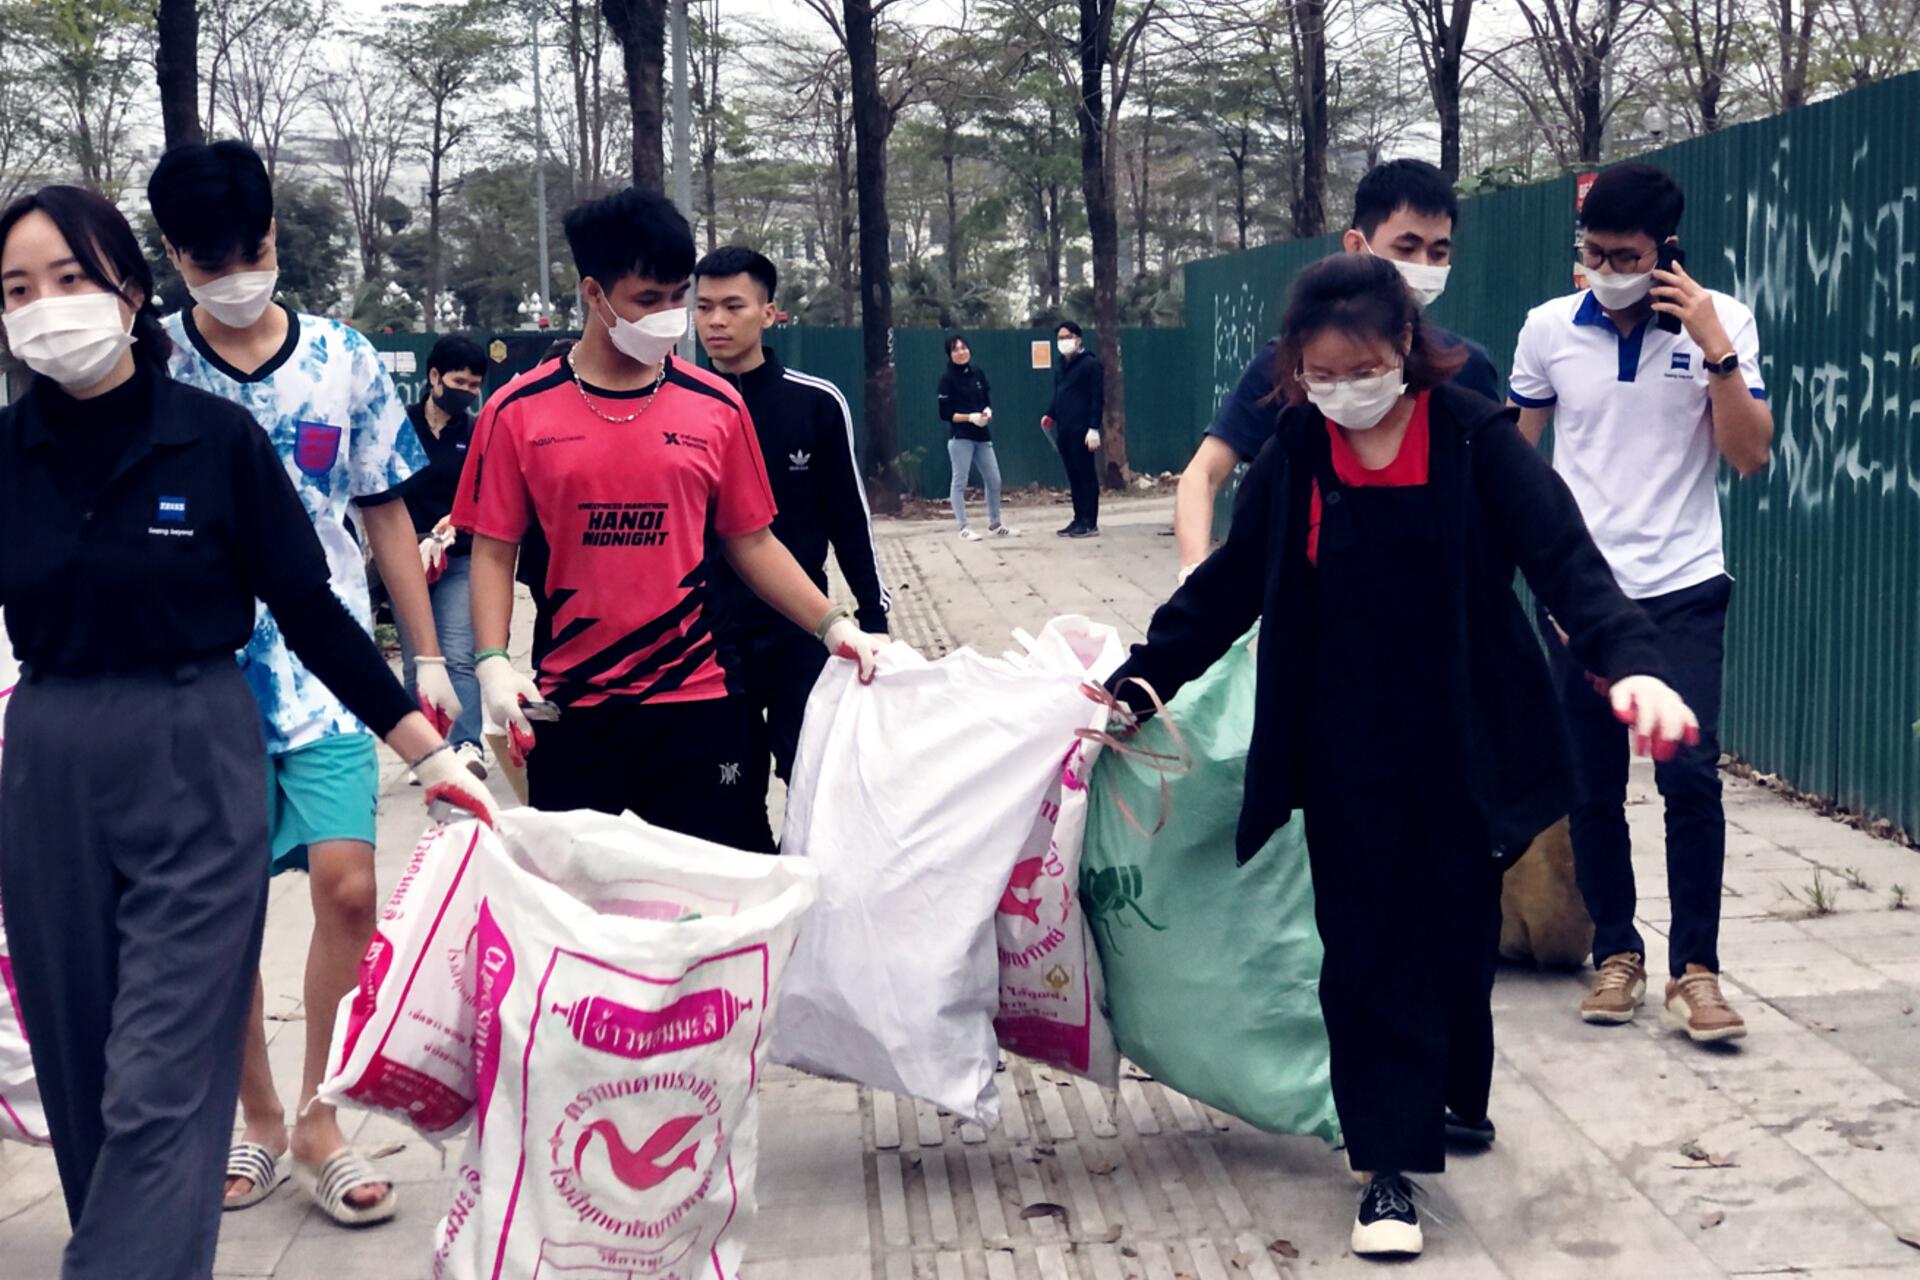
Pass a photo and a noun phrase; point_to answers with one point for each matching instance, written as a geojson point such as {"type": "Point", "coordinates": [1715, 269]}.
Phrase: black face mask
{"type": "Point", "coordinates": [454, 402]}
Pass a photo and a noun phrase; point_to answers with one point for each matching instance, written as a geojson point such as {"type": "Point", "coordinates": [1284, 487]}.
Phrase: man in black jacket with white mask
{"type": "Point", "coordinates": [1079, 407]}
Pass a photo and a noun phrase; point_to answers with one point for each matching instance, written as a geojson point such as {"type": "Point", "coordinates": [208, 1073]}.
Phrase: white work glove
{"type": "Point", "coordinates": [986, 415]}
{"type": "Point", "coordinates": [438, 702]}
{"type": "Point", "coordinates": [1661, 721]}
{"type": "Point", "coordinates": [845, 639]}
{"type": "Point", "coordinates": [433, 555]}
{"type": "Point", "coordinates": [502, 691]}
{"type": "Point", "coordinates": [1093, 440]}
{"type": "Point", "coordinates": [1186, 571]}
{"type": "Point", "coordinates": [451, 786]}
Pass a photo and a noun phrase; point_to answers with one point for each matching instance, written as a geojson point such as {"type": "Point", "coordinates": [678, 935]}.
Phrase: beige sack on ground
{"type": "Point", "coordinates": [1542, 916]}
{"type": "Point", "coordinates": [516, 777]}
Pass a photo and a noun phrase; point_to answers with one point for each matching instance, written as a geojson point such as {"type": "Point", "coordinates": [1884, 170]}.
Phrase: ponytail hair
{"type": "Point", "coordinates": [103, 244]}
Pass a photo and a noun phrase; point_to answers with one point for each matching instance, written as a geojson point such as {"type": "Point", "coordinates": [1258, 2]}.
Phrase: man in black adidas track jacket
{"type": "Point", "coordinates": [806, 438]}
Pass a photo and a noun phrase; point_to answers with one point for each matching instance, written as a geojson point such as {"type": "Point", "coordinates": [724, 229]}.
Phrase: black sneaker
{"type": "Point", "coordinates": [1462, 1132]}
{"type": "Point", "coordinates": [1084, 531]}
{"type": "Point", "coordinates": [1387, 1225]}
{"type": "Point", "coordinates": [1071, 531]}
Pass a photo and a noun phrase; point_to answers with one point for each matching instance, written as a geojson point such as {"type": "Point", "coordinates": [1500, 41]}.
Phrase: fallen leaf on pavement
{"type": "Point", "coordinates": [1910, 1238]}
{"type": "Point", "coordinates": [1864, 1143]}
{"type": "Point", "coordinates": [1284, 1248]}
{"type": "Point", "coordinates": [1099, 1165]}
{"type": "Point", "coordinates": [1045, 1209]}
{"type": "Point", "coordinates": [1713, 1219]}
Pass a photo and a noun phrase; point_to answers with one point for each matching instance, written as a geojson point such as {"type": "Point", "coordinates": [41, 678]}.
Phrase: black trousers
{"type": "Point", "coordinates": [777, 672]}
{"type": "Point", "coordinates": [1083, 474]}
{"type": "Point", "coordinates": [1407, 897]}
{"type": "Point", "coordinates": [1693, 628]}
{"type": "Point", "coordinates": [133, 864]}
{"type": "Point", "coordinates": [679, 765]}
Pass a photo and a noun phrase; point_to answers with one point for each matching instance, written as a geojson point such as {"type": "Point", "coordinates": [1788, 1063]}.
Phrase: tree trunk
{"type": "Point", "coordinates": [843, 181]}
{"type": "Point", "coordinates": [1308, 22]}
{"type": "Point", "coordinates": [870, 128]}
{"type": "Point", "coordinates": [1589, 100]}
{"type": "Point", "coordinates": [1056, 246]}
{"type": "Point", "coordinates": [1143, 211]}
{"type": "Point", "coordinates": [435, 158]}
{"type": "Point", "coordinates": [577, 56]}
{"type": "Point", "coordinates": [176, 66]}
{"type": "Point", "coordinates": [1446, 86]}
{"type": "Point", "coordinates": [949, 143]}
{"type": "Point", "coordinates": [710, 194]}
{"type": "Point", "coordinates": [1240, 214]}
{"type": "Point", "coordinates": [1096, 181]}
{"type": "Point", "coordinates": [641, 28]}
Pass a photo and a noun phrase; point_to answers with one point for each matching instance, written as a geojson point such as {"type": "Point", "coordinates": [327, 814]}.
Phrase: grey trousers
{"type": "Point", "coordinates": [133, 868]}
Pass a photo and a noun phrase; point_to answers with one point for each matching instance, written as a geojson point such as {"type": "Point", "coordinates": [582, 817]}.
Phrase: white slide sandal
{"type": "Point", "coordinates": [344, 1172]}
{"type": "Point", "coordinates": [260, 1167]}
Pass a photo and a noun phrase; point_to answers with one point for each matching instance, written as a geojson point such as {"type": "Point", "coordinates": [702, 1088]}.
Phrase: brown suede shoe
{"type": "Point", "coordinates": [1617, 989]}
{"type": "Point", "coordinates": [1695, 1006]}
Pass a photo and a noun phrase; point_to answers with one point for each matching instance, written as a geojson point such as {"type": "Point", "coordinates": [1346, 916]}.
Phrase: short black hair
{"type": "Point", "coordinates": [956, 339]}
{"type": "Point", "coordinates": [630, 233]}
{"type": "Point", "coordinates": [1070, 327]}
{"type": "Point", "coordinates": [104, 246]}
{"type": "Point", "coordinates": [1402, 184]}
{"type": "Point", "coordinates": [1634, 197]}
{"type": "Point", "coordinates": [738, 260]}
{"type": "Point", "coordinates": [456, 353]}
{"type": "Point", "coordinates": [213, 201]}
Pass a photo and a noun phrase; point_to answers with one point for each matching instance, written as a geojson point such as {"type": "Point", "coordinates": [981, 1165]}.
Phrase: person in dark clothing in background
{"type": "Point", "coordinates": [1404, 211]}
{"type": "Point", "coordinates": [966, 406]}
{"type": "Point", "coordinates": [805, 430]}
{"type": "Point", "coordinates": [1402, 702]}
{"type": "Point", "coordinates": [140, 521]}
{"type": "Point", "coordinates": [1079, 407]}
{"type": "Point", "coordinates": [443, 421]}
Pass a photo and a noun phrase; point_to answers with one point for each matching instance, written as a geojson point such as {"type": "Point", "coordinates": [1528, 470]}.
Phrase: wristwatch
{"type": "Point", "coordinates": [1729, 363]}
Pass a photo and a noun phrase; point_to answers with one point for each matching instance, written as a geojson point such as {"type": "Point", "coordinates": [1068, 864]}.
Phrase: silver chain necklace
{"type": "Point", "coordinates": [580, 386]}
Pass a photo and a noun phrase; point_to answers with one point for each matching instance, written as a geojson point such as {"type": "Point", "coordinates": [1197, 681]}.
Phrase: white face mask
{"type": "Point", "coordinates": [1069, 346]}
{"type": "Point", "coordinates": [651, 338]}
{"type": "Point", "coordinates": [1617, 293]}
{"type": "Point", "coordinates": [74, 340]}
{"type": "Point", "coordinates": [1360, 404]}
{"type": "Point", "coordinates": [239, 299]}
{"type": "Point", "coordinates": [1426, 282]}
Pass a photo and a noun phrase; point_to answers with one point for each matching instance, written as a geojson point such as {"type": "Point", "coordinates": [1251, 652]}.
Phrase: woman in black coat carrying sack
{"type": "Point", "coordinates": [1403, 704]}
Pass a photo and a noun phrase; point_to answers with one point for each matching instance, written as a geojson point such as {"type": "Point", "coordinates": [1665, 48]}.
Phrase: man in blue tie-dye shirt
{"type": "Point", "coordinates": [318, 389]}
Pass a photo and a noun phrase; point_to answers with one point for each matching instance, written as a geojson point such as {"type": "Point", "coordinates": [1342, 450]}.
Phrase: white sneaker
{"type": "Point", "coordinates": [1004, 531]}
{"type": "Point", "coordinates": [968, 535]}
{"type": "Point", "coordinates": [474, 758]}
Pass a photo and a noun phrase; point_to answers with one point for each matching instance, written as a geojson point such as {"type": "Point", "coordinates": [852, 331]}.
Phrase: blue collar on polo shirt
{"type": "Point", "coordinates": [1591, 313]}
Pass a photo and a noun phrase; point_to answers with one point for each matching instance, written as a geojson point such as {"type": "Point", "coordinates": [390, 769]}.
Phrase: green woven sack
{"type": "Point", "coordinates": [1212, 969]}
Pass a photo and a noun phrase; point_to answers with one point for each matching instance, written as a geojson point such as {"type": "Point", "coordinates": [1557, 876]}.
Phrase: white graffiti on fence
{"type": "Point", "coordinates": [1239, 331]}
{"type": "Point", "coordinates": [1825, 401]}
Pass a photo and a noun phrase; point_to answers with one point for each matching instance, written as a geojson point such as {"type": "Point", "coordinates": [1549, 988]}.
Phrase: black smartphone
{"type": "Point", "coordinates": [1670, 254]}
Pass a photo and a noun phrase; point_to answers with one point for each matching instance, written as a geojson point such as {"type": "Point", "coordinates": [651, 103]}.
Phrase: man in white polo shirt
{"type": "Point", "coordinates": [1649, 379]}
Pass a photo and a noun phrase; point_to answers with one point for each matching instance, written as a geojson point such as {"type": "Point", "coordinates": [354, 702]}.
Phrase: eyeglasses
{"type": "Point", "coordinates": [1623, 261]}
{"type": "Point", "coordinates": [1327, 386]}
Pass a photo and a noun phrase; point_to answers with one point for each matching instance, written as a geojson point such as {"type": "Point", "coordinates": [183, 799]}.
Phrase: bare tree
{"type": "Point", "coordinates": [374, 126]}
{"type": "Point", "coordinates": [1701, 35]}
{"type": "Point", "coordinates": [176, 68]}
{"type": "Point", "coordinates": [1793, 23]}
{"type": "Point", "coordinates": [264, 75]}
{"type": "Point", "coordinates": [1574, 43]}
{"type": "Point", "coordinates": [87, 56]}
{"type": "Point", "coordinates": [445, 53]}
{"type": "Point", "coordinates": [1439, 30]}
{"type": "Point", "coordinates": [1872, 40]}
{"type": "Point", "coordinates": [1099, 57]}
{"type": "Point", "coordinates": [813, 111]}
{"type": "Point", "coordinates": [27, 140]}
{"type": "Point", "coordinates": [641, 28]}
{"type": "Point", "coordinates": [876, 107]}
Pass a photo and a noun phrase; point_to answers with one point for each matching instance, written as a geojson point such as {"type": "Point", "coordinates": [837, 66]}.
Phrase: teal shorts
{"type": "Point", "coordinates": [328, 790]}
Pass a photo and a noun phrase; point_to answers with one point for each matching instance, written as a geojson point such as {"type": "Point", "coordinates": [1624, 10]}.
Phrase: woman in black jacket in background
{"type": "Point", "coordinates": [1403, 703]}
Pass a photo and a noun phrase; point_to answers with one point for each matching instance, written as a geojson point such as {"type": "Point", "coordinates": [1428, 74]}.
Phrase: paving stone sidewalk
{"type": "Point", "coordinates": [1812, 1123]}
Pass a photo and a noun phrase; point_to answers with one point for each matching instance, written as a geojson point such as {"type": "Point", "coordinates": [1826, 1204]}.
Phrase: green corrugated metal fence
{"type": "Point", "coordinates": [1813, 220]}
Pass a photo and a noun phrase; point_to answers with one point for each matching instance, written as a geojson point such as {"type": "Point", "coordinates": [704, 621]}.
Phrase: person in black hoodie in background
{"type": "Point", "coordinates": [1402, 702]}
{"type": "Point", "coordinates": [805, 431]}
{"type": "Point", "coordinates": [966, 406]}
{"type": "Point", "coordinates": [1079, 407]}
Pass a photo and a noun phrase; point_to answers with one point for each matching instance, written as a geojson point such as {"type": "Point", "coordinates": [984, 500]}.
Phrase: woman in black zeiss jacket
{"type": "Point", "coordinates": [140, 520]}
{"type": "Point", "coordinates": [1402, 702]}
